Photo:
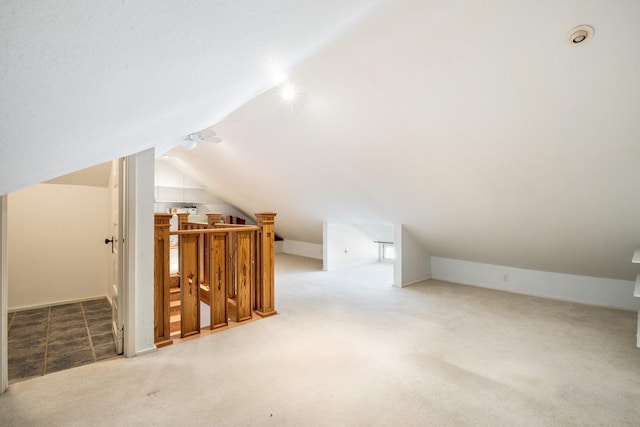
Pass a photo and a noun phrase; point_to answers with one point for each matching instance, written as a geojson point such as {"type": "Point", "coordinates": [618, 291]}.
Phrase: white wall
{"type": "Point", "coordinates": [309, 250]}
{"type": "Point", "coordinates": [175, 189]}
{"type": "Point", "coordinates": [583, 289]}
{"type": "Point", "coordinates": [346, 245]}
{"type": "Point", "coordinates": [56, 242]}
{"type": "Point", "coordinates": [140, 201]}
{"type": "Point", "coordinates": [412, 262]}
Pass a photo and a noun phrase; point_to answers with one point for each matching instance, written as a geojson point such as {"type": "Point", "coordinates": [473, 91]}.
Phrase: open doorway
{"type": "Point", "coordinates": [59, 315]}
{"type": "Point", "coordinates": [354, 245]}
{"type": "Point", "coordinates": [137, 305]}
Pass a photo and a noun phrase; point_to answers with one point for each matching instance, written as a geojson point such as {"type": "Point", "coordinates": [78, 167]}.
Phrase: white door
{"type": "Point", "coordinates": [116, 290]}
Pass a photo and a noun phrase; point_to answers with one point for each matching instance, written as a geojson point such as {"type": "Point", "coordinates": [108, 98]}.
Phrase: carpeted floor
{"type": "Point", "coordinates": [348, 349]}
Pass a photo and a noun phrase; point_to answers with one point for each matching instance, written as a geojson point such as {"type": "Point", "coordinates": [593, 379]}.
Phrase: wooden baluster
{"type": "Point", "coordinates": [208, 247]}
{"type": "Point", "coordinates": [190, 285]}
{"type": "Point", "coordinates": [244, 275]}
{"type": "Point", "coordinates": [161, 281]}
{"type": "Point", "coordinates": [257, 256]}
{"type": "Point", "coordinates": [266, 264]}
{"type": "Point", "coordinates": [203, 270]}
{"type": "Point", "coordinates": [212, 220]}
{"type": "Point", "coordinates": [218, 280]}
{"type": "Point", "coordinates": [254, 269]}
{"type": "Point", "coordinates": [232, 256]}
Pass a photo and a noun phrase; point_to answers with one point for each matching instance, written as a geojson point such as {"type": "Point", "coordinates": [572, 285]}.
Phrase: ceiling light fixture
{"type": "Point", "coordinates": [206, 135]}
{"type": "Point", "coordinates": [288, 93]}
{"type": "Point", "coordinates": [580, 35]}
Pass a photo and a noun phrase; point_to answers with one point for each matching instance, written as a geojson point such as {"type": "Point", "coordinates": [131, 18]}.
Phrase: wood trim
{"type": "Point", "coordinates": [266, 221]}
{"type": "Point", "coordinates": [225, 229]}
{"type": "Point", "coordinates": [183, 218]}
{"type": "Point", "coordinates": [162, 282]}
{"type": "Point", "coordinates": [213, 219]}
{"type": "Point", "coordinates": [228, 267]}
{"type": "Point", "coordinates": [190, 285]}
{"type": "Point", "coordinates": [218, 280]}
{"type": "Point", "coordinates": [244, 275]}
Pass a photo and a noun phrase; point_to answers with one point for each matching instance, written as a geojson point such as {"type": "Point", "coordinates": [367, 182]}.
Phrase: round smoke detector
{"type": "Point", "coordinates": [580, 35]}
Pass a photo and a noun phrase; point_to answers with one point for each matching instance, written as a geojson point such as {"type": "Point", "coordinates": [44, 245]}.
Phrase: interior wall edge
{"type": "Point", "coordinates": [305, 249]}
{"type": "Point", "coordinates": [4, 297]}
{"type": "Point", "coordinates": [603, 292]}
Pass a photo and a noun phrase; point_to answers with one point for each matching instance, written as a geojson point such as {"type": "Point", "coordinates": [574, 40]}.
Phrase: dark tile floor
{"type": "Point", "coordinates": [50, 339]}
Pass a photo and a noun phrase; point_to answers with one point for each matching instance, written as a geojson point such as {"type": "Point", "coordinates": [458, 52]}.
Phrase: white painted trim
{"type": "Point", "coordinates": [565, 287]}
{"type": "Point", "coordinates": [51, 304]}
{"type": "Point", "coordinates": [638, 333]}
{"type": "Point", "coordinates": [309, 250]}
{"type": "Point", "coordinates": [636, 290]}
{"type": "Point", "coordinates": [129, 300]}
{"type": "Point", "coordinates": [412, 264]}
{"type": "Point", "coordinates": [404, 285]}
{"type": "Point", "coordinates": [146, 351]}
{"type": "Point", "coordinates": [4, 297]}
{"type": "Point", "coordinates": [139, 291]}
{"type": "Point", "coordinates": [325, 246]}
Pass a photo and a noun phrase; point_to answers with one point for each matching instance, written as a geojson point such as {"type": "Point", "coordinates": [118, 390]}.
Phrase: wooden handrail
{"type": "Point", "coordinates": [216, 230]}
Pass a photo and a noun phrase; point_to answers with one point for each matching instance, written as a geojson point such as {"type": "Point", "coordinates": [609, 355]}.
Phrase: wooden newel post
{"type": "Point", "coordinates": [265, 303]}
{"type": "Point", "coordinates": [213, 219]}
{"type": "Point", "coordinates": [183, 218]}
{"type": "Point", "coordinates": [161, 281]}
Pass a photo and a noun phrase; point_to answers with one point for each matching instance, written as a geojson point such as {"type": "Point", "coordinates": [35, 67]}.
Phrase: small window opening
{"type": "Point", "coordinates": [386, 251]}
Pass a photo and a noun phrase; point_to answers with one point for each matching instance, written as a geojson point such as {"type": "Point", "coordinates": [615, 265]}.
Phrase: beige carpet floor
{"type": "Point", "coordinates": [348, 349]}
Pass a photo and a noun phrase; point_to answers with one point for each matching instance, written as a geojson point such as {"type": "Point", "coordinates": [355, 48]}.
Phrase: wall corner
{"type": "Point", "coordinates": [413, 263]}
{"type": "Point", "coordinates": [4, 296]}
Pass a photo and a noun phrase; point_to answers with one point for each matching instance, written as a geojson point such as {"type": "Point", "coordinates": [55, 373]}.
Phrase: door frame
{"type": "Point", "coordinates": [128, 265]}
{"type": "Point", "coordinates": [117, 225]}
{"type": "Point", "coordinates": [138, 267]}
{"type": "Point", "coordinates": [138, 312]}
{"type": "Point", "coordinates": [4, 297]}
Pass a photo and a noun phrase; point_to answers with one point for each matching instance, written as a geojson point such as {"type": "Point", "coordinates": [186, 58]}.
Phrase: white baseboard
{"type": "Point", "coordinates": [49, 304]}
{"type": "Point", "coordinates": [566, 287]}
{"type": "Point", "coordinates": [415, 282]}
{"type": "Point", "coordinates": [146, 351]}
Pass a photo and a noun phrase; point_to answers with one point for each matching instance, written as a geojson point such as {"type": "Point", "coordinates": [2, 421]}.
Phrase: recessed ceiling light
{"type": "Point", "coordinates": [580, 35]}
{"type": "Point", "coordinates": [288, 92]}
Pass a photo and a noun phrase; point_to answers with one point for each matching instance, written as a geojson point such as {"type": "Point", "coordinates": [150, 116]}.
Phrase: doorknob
{"type": "Point", "coordinates": [112, 240]}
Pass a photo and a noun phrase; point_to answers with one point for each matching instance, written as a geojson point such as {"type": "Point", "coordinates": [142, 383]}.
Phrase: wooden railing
{"type": "Point", "coordinates": [229, 268]}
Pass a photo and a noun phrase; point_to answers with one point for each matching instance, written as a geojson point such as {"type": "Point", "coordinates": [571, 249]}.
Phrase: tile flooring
{"type": "Point", "coordinates": [50, 339]}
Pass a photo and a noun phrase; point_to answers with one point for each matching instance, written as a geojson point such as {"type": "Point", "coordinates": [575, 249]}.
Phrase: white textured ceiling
{"type": "Point", "coordinates": [471, 122]}
{"type": "Point", "coordinates": [83, 82]}
{"type": "Point", "coordinates": [94, 176]}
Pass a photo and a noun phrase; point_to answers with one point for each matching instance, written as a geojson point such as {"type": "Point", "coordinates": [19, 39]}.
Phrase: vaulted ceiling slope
{"type": "Point", "coordinates": [83, 82]}
{"type": "Point", "coordinates": [473, 123]}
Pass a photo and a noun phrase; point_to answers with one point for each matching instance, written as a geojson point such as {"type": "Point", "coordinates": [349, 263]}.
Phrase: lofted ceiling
{"type": "Point", "coordinates": [84, 82]}
{"type": "Point", "coordinates": [473, 123]}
